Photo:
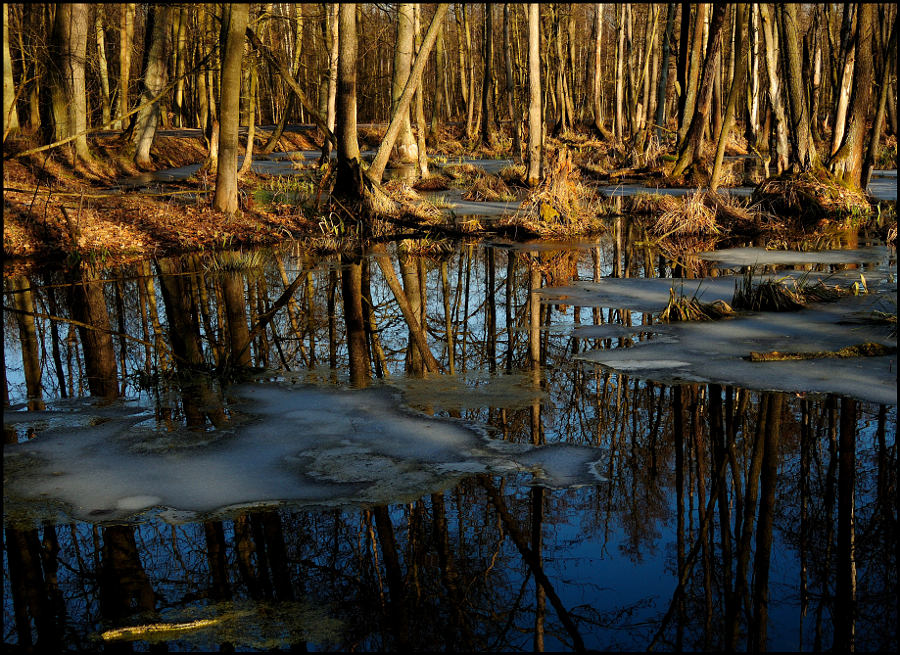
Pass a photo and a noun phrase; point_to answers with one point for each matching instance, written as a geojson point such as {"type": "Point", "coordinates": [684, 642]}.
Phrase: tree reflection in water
{"type": "Point", "coordinates": [731, 519]}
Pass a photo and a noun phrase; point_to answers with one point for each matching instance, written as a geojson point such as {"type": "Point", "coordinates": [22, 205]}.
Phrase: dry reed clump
{"type": "Point", "coordinates": [561, 204]}
{"type": "Point", "coordinates": [513, 175]}
{"type": "Point", "coordinates": [488, 188]}
{"type": "Point", "coordinates": [683, 308]}
{"type": "Point", "coordinates": [436, 182]}
{"type": "Point", "coordinates": [808, 196]}
{"type": "Point", "coordinates": [462, 173]}
{"type": "Point", "coordinates": [786, 294]}
{"type": "Point", "coordinates": [703, 212]}
{"type": "Point", "coordinates": [689, 214]}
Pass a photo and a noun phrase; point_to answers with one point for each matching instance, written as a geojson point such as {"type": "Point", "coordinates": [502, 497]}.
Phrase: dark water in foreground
{"type": "Point", "coordinates": [344, 496]}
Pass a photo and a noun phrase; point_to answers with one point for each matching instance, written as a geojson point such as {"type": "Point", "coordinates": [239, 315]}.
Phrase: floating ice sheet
{"type": "Point", "coordinates": [304, 446]}
{"type": "Point", "coordinates": [652, 294]}
{"type": "Point", "coordinates": [714, 351]}
{"type": "Point", "coordinates": [737, 257]}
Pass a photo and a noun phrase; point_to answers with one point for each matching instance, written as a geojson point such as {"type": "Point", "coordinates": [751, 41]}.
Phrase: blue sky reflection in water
{"type": "Point", "coordinates": [547, 512]}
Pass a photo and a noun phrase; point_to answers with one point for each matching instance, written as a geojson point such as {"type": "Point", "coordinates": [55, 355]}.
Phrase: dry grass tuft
{"type": "Point", "coordinates": [435, 182]}
{"type": "Point", "coordinates": [561, 205]}
{"type": "Point", "coordinates": [689, 214]}
{"type": "Point", "coordinates": [489, 188]}
{"type": "Point", "coordinates": [808, 196]}
{"type": "Point", "coordinates": [684, 308]}
{"type": "Point", "coordinates": [786, 294]}
{"type": "Point", "coordinates": [462, 173]}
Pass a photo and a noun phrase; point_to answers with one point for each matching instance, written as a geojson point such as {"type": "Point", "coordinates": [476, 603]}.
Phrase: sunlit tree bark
{"type": "Point", "coordinates": [535, 121]}
{"type": "Point", "coordinates": [234, 26]}
{"type": "Point", "coordinates": [155, 67]}
{"type": "Point", "coordinates": [847, 162]}
{"type": "Point", "coordinates": [10, 115]}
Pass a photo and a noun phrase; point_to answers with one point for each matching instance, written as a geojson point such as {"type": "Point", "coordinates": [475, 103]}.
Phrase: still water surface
{"type": "Point", "coordinates": [198, 459]}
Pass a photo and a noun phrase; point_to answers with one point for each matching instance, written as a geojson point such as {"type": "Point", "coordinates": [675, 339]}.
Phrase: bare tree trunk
{"type": "Point", "coordinates": [736, 84]}
{"type": "Point", "coordinates": [620, 73]}
{"type": "Point", "coordinates": [847, 162]}
{"type": "Point", "coordinates": [535, 120]}
{"type": "Point", "coordinates": [147, 119]}
{"type": "Point", "coordinates": [776, 97]}
{"type": "Point", "coordinates": [803, 153]}
{"type": "Point", "coordinates": [488, 120]}
{"type": "Point", "coordinates": [126, 39]}
{"type": "Point", "coordinates": [694, 62]}
{"type": "Point", "coordinates": [883, 91]}
{"type": "Point", "coordinates": [693, 138]}
{"type": "Point", "coordinates": [848, 57]}
{"type": "Point", "coordinates": [351, 292]}
{"type": "Point", "coordinates": [403, 54]}
{"type": "Point", "coordinates": [10, 115]}
{"type": "Point", "coordinates": [348, 180]}
{"type": "Point", "coordinates": [661, 86]}
{"type": "Point", "coordinates": [332, 36]}
{"type": "Point", "coordinates": [102, 65]}
{"type": "Point", "coordinates": [512, 105]}
{"type": "Point", "coordinates": [251, 117]}
{"type": "Point", "coordinates": [180, 54]}
{"type": "Point", "coordinates": [596, 73]}
{"type": "Point", "coordinates": [440, 86]}
{"type": "Point", "coordinates": [421, 155]}
{"type": "Point", "coordinates": [376, 170]}
{"type": "Point", "coordinates": [71, 27]}
{"type": "Point", "coordinates": [234, 27]}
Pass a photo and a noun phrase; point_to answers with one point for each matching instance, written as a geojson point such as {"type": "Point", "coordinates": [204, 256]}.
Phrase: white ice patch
{"type": "Point", "coordinates": [305, 446]}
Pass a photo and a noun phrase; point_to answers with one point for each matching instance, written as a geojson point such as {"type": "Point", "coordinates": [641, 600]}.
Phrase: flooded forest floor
{"type": "Point", "coordinates": [112, 212]}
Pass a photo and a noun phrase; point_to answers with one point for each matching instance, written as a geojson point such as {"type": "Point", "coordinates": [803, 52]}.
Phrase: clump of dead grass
{"type": "Point", "coordinates": [489, 188]}
{"type": "Point", "coordinates": [683, 308]}
{"type": "Point", "coordinates": [787, 294]}
{"type": "Point", "coordinates": [561, 204]}
{"type": "Point", "coordinates": [809, 196]}
{"type": "Point", "coordinates": [702, 212]}
{"type": "Point", "coordinates": [436, 182]}
{"type": "Point", "coordinates": [688, 214]}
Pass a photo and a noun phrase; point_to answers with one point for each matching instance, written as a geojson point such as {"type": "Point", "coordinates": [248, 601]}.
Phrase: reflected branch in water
{"type": "Point", "coordinates": [533, 561]}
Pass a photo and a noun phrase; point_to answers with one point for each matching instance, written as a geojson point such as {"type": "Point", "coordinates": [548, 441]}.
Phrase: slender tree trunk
{"type": "Point", "coordinates": [883, 92]}
{"type": "Point", "coordinates": [662, 84]}
{"type": "Point", "coordinates": [736, 84]}
{"type": "Point", "coordinates": [156, 54]}
{"type": "Point", "coordinates": [234, 27]}
{"type": "Point", "coordinates": [126, 43]}
{"type": "Point", "coordinates": [376, 170]}
{"type": "Point", "coordinates": [440, 86]}
{"type": "Point", "coordinates": [488, 120]}
{"type": "Point", "coordinates": [251, 117]}
{"type": "Point", "coordinates": [848, 57]}
{"type": "Point", "coordinates": [403, 53]}
{"type": "Point", "coordinates": [421, 155]}
{"type": "Point", "coordinates": [803, 154]}
{"type": "Point", "coordinates": [620, 73]}
{"type": "Point", "coordinates": [847, 162]}
{"type": "Point", "coordinates": [348, 180]}
{"type": "Point", "coordinates": [10, 115]}
{"type": "Point", "coordinates": [694, 62]}
{"type": "Point", "coordinates": [535, 121]}
{"type": "Point", "coordinates": [776, 97]}
{"type": "Point", "coordinates": [180, 54]}
{"type": "Point", "coordinates": [693, 138]}
{"type": "Point", "coordinates": [102, 65]}
{"type": "Point", "coordinates": [597, 73]}
{"type": "Point", "coordinates": [512, 105]}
